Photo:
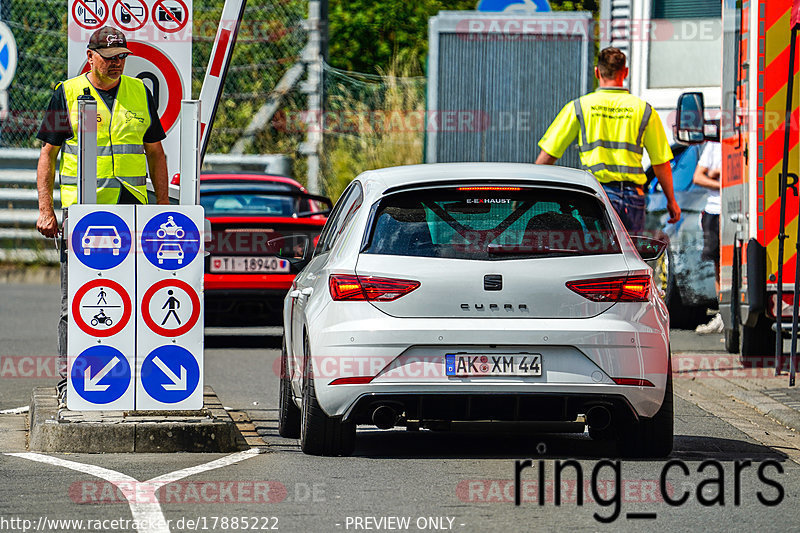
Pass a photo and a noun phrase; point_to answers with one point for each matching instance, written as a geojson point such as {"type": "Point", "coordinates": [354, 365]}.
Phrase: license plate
{"type": "Point", "coordinates": [249, 264]}
{"type": "Point", "coordinates": [478, 365]}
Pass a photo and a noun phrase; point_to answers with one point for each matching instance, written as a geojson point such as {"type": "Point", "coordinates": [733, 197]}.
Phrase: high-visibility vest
{"type": "Point", "coordinates": [613, 129]}
{"type": "Point", "coordinates": [121, 160]}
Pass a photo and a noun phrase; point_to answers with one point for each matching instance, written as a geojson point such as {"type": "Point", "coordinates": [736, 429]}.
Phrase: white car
{"type": "Point", "coordinates": [170, 251]}
{"type": "Point", "coordinates": [99, 237]}
{"type": "Point", "coordinates": [476, 292]}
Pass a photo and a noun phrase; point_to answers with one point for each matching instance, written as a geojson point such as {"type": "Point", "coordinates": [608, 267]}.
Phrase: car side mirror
{"type": "Point", "coordinates": [649, 249]}
{"type": "Point", "coordinates": [296, 249]}
{"type": "Point", "coordinates": [689, 122]}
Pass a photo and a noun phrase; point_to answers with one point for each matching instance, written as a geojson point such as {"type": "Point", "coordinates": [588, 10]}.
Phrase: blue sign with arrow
{"type": "Point", "coordinates": [170, 374]}
{"type": "Point", "coordinates": [101, 374]}
{"type": "Point", "coordinates": [538, 6]}
{"type": "Point", "coordinates": [170, 240]}
{"type": "Point", "coordinates": [101, 240]}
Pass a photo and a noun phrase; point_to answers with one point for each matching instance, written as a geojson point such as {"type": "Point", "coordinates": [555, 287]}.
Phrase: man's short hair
{"type": "Point", "coordinates": [610, 61]}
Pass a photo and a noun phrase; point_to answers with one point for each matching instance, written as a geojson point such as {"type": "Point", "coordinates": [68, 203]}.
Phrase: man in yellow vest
{"type": "Point", "coordinates": [129, 136]}
{"type": "Point", "coordinates": [613, 129]}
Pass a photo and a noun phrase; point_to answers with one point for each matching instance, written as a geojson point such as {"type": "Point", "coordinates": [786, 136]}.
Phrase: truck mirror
{"type": "Point", "coordinates": [690, 124]}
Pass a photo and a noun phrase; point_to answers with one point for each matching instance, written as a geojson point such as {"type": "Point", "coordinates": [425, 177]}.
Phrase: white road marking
{"type": "Point", "coordinates": [16, 411]}
{"type": "Point", "coordinates": [141, 494]}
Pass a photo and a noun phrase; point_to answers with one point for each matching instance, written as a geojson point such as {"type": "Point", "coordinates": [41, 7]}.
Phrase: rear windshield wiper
{"type": "Point", "coordinates": [527, 249]}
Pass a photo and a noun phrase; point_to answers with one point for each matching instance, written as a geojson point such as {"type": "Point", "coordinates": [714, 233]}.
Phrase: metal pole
{"type": "Point", "coordinates": [796, 301]}
{"type": "Point", "coordinates": [190, 152]}
{"type": "Point", "coordinates": [87, 150]}
{"type": "Point", "coordinates": [313, 87]}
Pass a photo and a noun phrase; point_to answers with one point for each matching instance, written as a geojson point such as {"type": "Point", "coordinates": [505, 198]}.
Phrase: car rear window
{"type": "Point", "coordinates": [248, 204]}
{"type": "Point", "coordinates": [491, 224]}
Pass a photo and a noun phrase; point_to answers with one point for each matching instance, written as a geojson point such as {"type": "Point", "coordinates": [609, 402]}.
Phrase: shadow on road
{"type": "Point", "coordinates": [488, 444]}
{"type": "Point", "coordinates": [243, 341]}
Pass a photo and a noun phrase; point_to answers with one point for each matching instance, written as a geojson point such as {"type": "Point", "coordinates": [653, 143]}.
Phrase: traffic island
{"type": "Point", "coordinates": [209, 430]}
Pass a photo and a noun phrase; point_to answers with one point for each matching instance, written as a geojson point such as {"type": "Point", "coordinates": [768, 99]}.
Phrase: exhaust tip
{"type": "Point", "coordinates": [598, 417]}
{"type": "Point", "coordinates": [384, 417]}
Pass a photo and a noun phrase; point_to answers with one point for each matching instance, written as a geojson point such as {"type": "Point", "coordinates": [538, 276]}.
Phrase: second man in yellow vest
{"type": "Point", "coordinates": [613, 129]}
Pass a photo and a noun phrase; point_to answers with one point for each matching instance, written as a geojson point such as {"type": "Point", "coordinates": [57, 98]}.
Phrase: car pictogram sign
{"type": "Point", "coordinates": [170, 240]}
{"type": "Point", "coordinates": [101, 240]}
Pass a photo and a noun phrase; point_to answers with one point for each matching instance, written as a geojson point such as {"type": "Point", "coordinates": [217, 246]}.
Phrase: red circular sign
{"type": "Point", "coordinates": [131, 17]}
{"type": "Point", "coordinates": [167, 332]}
{"type": "Point", "coordinates": [87, 16]}
{"type": "Point", "coordinates": [177, 15]}
{"type": "Point", "coordinates": [167, 68]}
{"type": "Point", "coordinates": [126, 307]}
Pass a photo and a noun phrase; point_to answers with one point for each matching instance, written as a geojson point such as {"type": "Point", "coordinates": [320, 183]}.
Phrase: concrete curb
{"type": "Point", "coordinates": [764, 404]}
{"type": "Point", "coordinates": [211, 430]}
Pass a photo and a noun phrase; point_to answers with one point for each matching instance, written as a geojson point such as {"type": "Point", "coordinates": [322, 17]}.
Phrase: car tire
{"type": "Point", "coordinates": [321, 434]}
{"type": "Point", "coordinates": [731, 339]}
{"type": "Point", "coordinates": [651, 437]}
{"type": "Point", "coordinates": [758, 344]}
{"type": "Point", "coordinates": [288, 412]}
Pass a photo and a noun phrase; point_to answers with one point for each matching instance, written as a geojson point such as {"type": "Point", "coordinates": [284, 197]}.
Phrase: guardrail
{"type": "Point", "coordinates": [19, 203]}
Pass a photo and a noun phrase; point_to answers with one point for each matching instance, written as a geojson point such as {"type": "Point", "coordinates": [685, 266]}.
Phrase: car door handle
{"type": "Point", "coordinates": [294, 294]}
{"type": "Point", "coordinates": [307, 291]}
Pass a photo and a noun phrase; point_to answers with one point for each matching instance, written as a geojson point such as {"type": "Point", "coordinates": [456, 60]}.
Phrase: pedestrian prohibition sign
{"type": "Point", "coordinates": [112, 308]}
{"type": "Point", "coordinates": [177, 305]}
{"type": "Point", "coordinates": [101, 374]}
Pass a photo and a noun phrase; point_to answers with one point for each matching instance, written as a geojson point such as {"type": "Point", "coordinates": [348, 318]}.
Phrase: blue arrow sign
{"type": "Point", "coordinates": [170, 374]}
{"type": "Point", "coordinates": [101, 240]}
{"type": "Point", "coordinates": [8, 56]}
{"type": "Point", "coordinates": [538, 6]}
{"type": "Point", "coordinates": [101, 374]}
{"type": "Point", "coordinates": [170, 240]}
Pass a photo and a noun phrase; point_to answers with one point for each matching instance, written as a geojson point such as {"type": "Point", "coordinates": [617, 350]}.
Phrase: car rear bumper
{"type": "Point", "coordinates": [406, 356]}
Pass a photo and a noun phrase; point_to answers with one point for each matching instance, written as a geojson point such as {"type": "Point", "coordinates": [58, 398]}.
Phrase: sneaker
{"type": "Point", "coordinates": [714, 326]}
{"type": "Point", "coordinates": [61, 394]}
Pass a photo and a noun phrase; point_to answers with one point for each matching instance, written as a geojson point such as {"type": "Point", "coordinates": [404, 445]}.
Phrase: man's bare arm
{"type": "Point", "coordinates": [545, 159]}
{"type": "Point", "coordinates": [706, 177]}
{"type": "Point", "coordinates": [47, 224]}
{"type": "Point", "coordinates": [664, 175]}
{"type": "Point", "coordinates": [157, 163]}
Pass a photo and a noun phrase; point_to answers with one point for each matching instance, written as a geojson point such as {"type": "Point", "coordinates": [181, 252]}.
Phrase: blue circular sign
{"type": "Point", "coordinates": [101, 374]}
{"type": "Point", "coordinates": [170, 240]}
{"type": "Point", "coordinates": [170, 374]}
{"type": "Point", "coordinates": [539, 6]}
{"type": "Point", "coordinates": [101, 240]}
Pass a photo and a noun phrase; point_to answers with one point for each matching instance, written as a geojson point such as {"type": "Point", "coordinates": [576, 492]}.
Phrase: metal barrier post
{"type": "Point", "coordinates": [190, 152]}
{"type": "Point", "coordinates": [87, 150]}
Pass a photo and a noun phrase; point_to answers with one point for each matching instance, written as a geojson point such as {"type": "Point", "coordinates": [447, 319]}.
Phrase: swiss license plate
{"type": "Point", "coordinates": [249, 264]}
{"type": "Point", "coordinates": [472, 365]}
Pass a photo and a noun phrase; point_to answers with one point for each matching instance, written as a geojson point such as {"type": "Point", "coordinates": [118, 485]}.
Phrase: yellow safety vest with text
{"type": "Point", "coordinates": [613, 129]}
{"type": "Point", "coordinates": [121, 160]}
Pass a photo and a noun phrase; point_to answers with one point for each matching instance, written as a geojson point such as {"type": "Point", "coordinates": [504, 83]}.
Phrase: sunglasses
{"type": "Point", "coordinates": [112, 58]}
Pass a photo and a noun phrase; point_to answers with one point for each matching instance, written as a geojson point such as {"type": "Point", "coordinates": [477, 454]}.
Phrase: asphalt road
{"type": "Point", "coordinates": [460, 481]}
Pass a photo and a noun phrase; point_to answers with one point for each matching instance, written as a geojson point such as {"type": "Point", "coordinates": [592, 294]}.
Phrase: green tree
{"type": "Point", "coordinates": [368, 35]}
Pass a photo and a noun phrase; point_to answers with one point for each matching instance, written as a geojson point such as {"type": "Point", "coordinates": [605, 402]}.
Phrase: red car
{"type": "Point", "coordinates": [245, 282]}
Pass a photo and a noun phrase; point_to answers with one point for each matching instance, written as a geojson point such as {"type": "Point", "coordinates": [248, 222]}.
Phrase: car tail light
{"type": "Point", "coordinates": [619, 289]}
{"type": "Point", "coordinates": [633, 381]}
{"type": "Point", "coordinates": [352, 288]}
{"type": "Point", "coordinates": [489, 188]}
{"type": "Point", "coordinates": [176, 179]}
{"type": "Point", "coordinates": [355, 380]}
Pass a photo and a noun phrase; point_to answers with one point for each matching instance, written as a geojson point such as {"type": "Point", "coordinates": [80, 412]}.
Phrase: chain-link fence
{"type": "Point", "coordinates": [370, 121]}
{"type": "Point", "coordinates": [271, 39]}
